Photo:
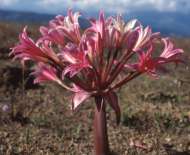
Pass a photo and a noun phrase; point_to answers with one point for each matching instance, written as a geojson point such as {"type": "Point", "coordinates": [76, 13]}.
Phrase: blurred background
{"type": "Point", "coordinates": [171, 17]}
{"type": "Point", "coordinates": [37, 120]}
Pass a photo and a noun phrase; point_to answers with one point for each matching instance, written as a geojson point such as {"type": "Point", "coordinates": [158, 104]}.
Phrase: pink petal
{"type": "Point", "coordinates": [78, 98]}
{"type": "Point", "coordinates": [43, 30]}
{"type": "Point", "coordinates": [67, 57]}
{"type": "Point", "coordinates": [169, 51]}
{"type": "Point", "coordinates": [44, 73]}
{"type": "Point", "coordinates": [74, 69]}
{"type": "Point", "coordinates": [132, 24]}
{"type": "Point", "coordinates": [112, 100]}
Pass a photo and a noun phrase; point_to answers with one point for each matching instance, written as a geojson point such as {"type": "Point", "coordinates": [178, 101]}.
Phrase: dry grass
{"type": "Point", "coordinates": [156, 113]}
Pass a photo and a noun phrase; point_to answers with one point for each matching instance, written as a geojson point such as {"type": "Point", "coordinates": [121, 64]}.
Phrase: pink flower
{"type": "Point", "coordinates": [145, 63]}
{"type": "Point", "coordinates": [129, 32]}
{"type": "Point", "coordinates": [95, 61]}
{"type": "Point", "coordinates": [124, 27]}
{"type": "Point", "coordinates": [145, 38]}
{"type": "Point", "coordinates": [28, 50]}
{"type": "Point", "coordinates": [170, 54]}
{"type": "Point", "coordinates": [44, 73]}
{"type": "Point", "coordinates": [75, 59]}
{"type": "Point", "coordinates": [104, 32]}
{"type": "Point", "coordinates": [98, 26]}
{"type": "Point", "coordinates": [151, 65]}
{"type": "Point", "coordinates": [62, 29]}
{"type": "Point", "coordinates": [79, 96]}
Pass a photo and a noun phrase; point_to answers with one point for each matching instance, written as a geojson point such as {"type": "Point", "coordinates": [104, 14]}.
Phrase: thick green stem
{"type": "Point", "coordinates": [100, 130]}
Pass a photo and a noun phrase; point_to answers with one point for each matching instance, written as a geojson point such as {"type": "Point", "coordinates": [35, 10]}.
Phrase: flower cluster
{"type": "Point", "coordinates": [96, 60]}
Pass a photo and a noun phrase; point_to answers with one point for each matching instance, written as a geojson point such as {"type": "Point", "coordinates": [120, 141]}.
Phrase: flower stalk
{"type": "Point", "coordinates": [95, 62]}
{"type": "Point", "coordinates": [101, 143]}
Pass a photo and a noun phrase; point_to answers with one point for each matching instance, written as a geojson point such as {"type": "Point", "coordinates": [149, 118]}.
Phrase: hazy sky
{"type": "Point", "coordinates": [113, 6]}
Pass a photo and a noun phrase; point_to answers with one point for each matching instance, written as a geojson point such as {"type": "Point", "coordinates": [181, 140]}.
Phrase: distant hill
{"type": "Point", "coordinates": [168, 23]}
{"type": "Point", "coordinates": [173, 24]}
{"type": "Point", "coordinates": [17, 16]}
{"type": "Point", "coordinates": [30, 17]}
